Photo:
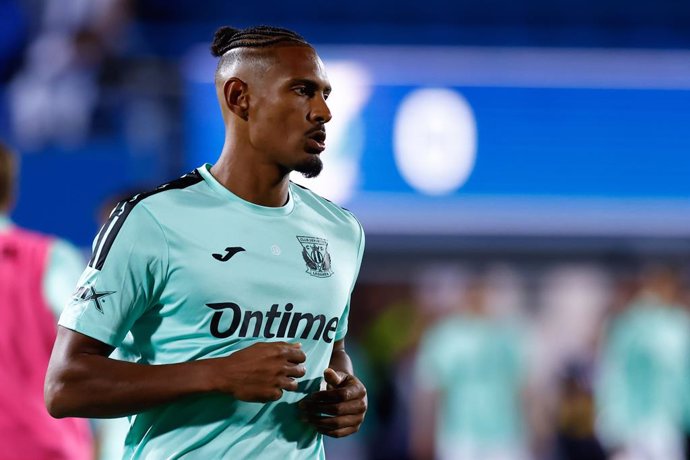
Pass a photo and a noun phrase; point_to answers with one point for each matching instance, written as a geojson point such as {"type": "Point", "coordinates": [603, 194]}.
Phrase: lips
{"type": "Point", "coordinates": [316, 141]}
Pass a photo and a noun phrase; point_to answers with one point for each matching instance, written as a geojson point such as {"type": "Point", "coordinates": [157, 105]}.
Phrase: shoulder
{"type": "Point", "coordinates": [21, 240]}
{"type": "Point", "coordinates": [163, 194]}
{"type": "Point", "coordinates": [446, 326]}
{"type": "Point", "coordinates": [30, 236]}
{"type": "Point", "coordinates": [326, 208]}
{"type": "Point", "coordinates": [137, 219]}
{"type": "Point", "coordinates": [64, 250]}
{"type": "Point", "coordinates": [142, 208]}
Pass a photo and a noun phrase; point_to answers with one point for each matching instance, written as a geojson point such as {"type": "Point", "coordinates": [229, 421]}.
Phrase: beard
{"type": "Point", "coordinates": [311, 167]}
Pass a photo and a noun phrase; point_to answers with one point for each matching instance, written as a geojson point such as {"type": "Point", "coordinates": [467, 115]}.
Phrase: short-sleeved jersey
{"type": "Point", "coordinates": [195, 272]}
{"type": "Point", "coordinates": [645, 373]}
{"type": "Point", "coordinates": [477, 367]}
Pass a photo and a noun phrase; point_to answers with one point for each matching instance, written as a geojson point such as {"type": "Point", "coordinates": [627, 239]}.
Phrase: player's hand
{"type": "Point", "coordinates": [339, 410]}
{"type": "Point", "coordinates": [261, 372]}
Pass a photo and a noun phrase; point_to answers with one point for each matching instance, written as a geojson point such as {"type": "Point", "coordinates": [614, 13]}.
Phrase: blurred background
{"type": "Point", "coordinates": [521, 169]}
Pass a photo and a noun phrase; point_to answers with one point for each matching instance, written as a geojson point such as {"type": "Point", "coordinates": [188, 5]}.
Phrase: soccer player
{"type": "Point", "coordinates": [234, 282]}
{"type": "Point", "coordinates": [36, 275]}
{"type": "Point", "coordinates": [642, 387]}
{"type": "Point", "coordinates": [470, 376]}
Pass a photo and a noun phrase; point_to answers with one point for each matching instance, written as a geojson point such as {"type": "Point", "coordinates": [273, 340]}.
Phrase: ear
{"type": "Point", "coordinates": [237, 97]}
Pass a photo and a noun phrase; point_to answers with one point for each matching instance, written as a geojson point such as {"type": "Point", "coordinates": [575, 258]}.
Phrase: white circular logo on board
{"type": "Point", "coordinates": [435, 140]}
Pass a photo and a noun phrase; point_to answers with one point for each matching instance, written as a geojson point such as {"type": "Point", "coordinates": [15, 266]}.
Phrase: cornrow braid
{"type": "Point", "coordinates": [228, 38]}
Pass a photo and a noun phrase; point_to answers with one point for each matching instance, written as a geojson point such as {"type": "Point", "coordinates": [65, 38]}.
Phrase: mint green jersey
{"type": "Point", "coordinates": [195, 272]}
{"type": "Point", "coordinates": [645, 372]}
{"type": "Point", "coordinates": [477, 367]}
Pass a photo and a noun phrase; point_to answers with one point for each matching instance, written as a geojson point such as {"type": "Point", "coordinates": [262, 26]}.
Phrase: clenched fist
{"type": "Point", "coordinates": [339, 410]}
{"type": "Point", "coordinates": [261, 372]}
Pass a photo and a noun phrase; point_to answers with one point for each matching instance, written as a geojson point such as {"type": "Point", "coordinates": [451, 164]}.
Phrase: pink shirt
{"type": "Point", "coordinates": [27, 333]}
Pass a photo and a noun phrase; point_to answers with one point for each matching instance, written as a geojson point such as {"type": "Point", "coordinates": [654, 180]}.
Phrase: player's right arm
{"type": "Point", "coordinates": [125, 278]}
{"type": "Point", "coordinates": [82, 381]}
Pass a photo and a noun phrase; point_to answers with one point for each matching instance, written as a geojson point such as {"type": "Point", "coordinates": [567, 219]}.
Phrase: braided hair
{"type": "Point", "coordinates": [228, 38]}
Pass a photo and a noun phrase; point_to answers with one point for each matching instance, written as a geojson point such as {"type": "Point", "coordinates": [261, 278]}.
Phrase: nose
{"type": "Point", "coordinates": [320, 113]}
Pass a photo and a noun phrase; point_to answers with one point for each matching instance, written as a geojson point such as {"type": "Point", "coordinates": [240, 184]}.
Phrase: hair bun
{"type": "Point", "coordinates": [221, 40]}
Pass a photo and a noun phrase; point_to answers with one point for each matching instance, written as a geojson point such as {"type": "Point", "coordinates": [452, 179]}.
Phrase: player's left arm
{"type": "Point", "coordinates": [339, 410]}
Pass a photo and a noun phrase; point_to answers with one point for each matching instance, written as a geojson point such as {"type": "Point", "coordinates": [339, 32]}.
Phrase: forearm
{"type": "Point", "coordinates": [99, 387]}
{"type": "Point", "coordinates": [82, 381]}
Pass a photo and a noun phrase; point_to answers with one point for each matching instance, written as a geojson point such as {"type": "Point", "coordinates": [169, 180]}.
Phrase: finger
{"type": "Point", "coordinates": [354, 407]}
{"type": "Point", "coordinates": [273, 396]}
{"type": "Point", "coordinates": [324, 424]}
{"type": "Point", "coordinates": [339, 433]}
{"type": "Point", "coordinates": [344, 393]}
{"type": "Point", "coordinates": [295, 371]}
{"type": "Point", "coordinates": [289, 384]}
{"type": "Point", "coordinates": [295, 354]}
{"type": "Point", "coordinates": [283, 344]}
{"type": "Point", "coordinates": [332, 377]}
{"type": "Point", "coordinates": [337, 395]}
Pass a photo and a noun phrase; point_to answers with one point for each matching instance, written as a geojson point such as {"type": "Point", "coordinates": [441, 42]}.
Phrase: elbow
{"type": "Point", "coordinates": [55, 396]}
{"type": "Point", "coordinates": [53, 401]}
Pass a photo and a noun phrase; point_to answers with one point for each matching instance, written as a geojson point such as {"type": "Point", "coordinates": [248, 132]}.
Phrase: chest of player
{"type": "Point", "coordinates": [260, 281]}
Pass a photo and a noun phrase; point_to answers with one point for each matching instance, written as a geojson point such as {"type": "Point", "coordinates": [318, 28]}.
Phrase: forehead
{"type": "Point", "coordinates": [297, 62]}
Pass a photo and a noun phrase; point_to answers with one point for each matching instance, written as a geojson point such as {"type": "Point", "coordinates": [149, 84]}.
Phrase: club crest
{"type": "Point", "coordinates": [316, 256]}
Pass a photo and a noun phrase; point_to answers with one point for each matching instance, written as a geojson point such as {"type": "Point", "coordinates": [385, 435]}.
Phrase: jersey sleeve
{"type": "Point", "coordinates": [343, 322]}
{"type": "Point", "coordinates": [123, 279]}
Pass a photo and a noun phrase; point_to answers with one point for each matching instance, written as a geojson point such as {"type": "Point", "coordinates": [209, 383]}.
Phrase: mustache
{"type": "Point", "coordinates": [316, 129]}
{"type": "Point", "coordinates": [318, 133]}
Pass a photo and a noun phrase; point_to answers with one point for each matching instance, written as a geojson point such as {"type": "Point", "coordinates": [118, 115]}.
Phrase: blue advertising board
{"type": "Point", "coordinates": [495, 141]}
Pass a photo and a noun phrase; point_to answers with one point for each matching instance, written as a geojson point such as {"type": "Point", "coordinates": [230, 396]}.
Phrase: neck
{"type": "Point", "coordinates": [260, 183]}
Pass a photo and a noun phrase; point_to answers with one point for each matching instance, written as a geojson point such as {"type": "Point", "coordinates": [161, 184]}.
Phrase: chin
{"type": "Point", "coordinates": [311, 167]}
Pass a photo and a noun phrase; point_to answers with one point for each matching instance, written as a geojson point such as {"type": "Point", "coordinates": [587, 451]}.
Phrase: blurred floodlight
{"type": "Point", "coordinates": [435, 140]}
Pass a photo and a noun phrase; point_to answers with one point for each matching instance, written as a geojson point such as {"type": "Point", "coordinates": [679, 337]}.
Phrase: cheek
{"type": "Point", "coordinates": [285, 124]}
{"type": "Point", "coordinates": [266, 123]}
{"type": "Point", "coordinates": [276, 125]}
{"type": "Point", "coordinates": [274, 131]}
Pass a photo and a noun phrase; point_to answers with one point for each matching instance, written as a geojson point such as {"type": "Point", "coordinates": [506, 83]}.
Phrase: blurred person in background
{"type": "Point", "coordinates": [53, 100]}
{"type": "Point", "coordinates": [644, 379]}
{"type": "Point", "coordinates": [576, 436]}
{"type": "Point", "coordinates": [571, 299]}
{"type": "Point", "coordinates": [37, 275]}
{"type": "Point", "coordinates": [471, 381]}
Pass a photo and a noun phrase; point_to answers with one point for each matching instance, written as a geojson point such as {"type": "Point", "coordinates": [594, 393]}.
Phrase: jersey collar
{"type": "Point", "coordinates": [217, 187]}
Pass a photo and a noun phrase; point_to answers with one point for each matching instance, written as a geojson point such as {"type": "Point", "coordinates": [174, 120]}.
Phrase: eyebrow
{"type": "Point", "coordinates": [310, 83]}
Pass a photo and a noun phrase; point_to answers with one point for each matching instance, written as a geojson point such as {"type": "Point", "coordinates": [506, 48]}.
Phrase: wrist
{"type": "Point", "coordinates": [209, 380]}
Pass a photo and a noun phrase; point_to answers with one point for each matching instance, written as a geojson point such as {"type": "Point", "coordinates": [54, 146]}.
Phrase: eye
{"type": "Point", "coordinates": [303, 91]}
{"type": "Point", "coordinates": [326, 94]}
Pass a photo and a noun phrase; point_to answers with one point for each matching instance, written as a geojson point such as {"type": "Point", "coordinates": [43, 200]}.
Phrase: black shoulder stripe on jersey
{"type": "Point", "coordinates": [109, 231]}
{"type": "Point", "coordinates": [117, 210]}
